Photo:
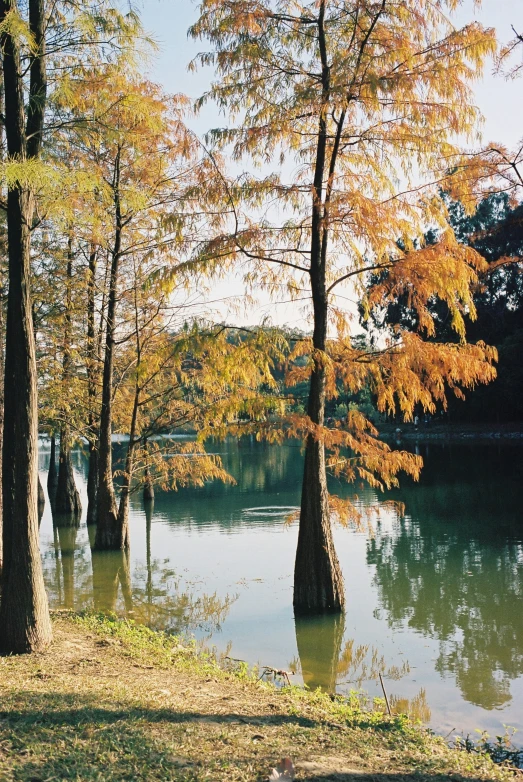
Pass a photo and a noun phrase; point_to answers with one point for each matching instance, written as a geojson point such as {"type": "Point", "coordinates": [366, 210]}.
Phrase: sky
{"type": "Point", "coordinates": [167, 21]}
{"type": "Point", "coordinates": [499, 100]}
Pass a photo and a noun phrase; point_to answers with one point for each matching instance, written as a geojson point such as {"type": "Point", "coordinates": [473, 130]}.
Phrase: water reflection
{"type": "Point", "coordinates": [442, 587]}
{"type": "Point", "coordinates": [319, 642]}
{"type": "Point", "coordinates": [453, 569]}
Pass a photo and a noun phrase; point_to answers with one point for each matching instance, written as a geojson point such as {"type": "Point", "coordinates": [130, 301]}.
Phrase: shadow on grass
{"type": "Point", "coordinates": [75, 737]}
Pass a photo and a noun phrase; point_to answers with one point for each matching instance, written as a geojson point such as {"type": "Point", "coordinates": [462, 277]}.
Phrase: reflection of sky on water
{"type": "Point", "coordinates": [440, 590]}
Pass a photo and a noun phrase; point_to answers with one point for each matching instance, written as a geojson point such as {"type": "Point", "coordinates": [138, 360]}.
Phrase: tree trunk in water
{"type": "Point", "coordinates": [92, 483]}
{"type": "Point", "coordinates": [92, 475]}
{"type": "Point", "coordinates": [123, 510]}
{"type": "Point", "coordinates": [67, 499]}
{"type": "Point", "coordinates": [318, 584]}
{"type": "Point", "coordinates": [109, 533]}
{"type": "Point", "coordinates": [52, 475]}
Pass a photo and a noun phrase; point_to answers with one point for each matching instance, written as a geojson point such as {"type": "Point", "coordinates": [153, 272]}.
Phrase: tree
{"type": "Point", "coordinates": [24, 616]}
{"type": "Point", "coordinates": [31, 36]}
{"type": "Point", "coordinates": [350, 97]}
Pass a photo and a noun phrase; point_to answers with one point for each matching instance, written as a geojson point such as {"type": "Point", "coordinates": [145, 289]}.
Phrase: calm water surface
{"type": "Point", "coordinates": [434, 600]}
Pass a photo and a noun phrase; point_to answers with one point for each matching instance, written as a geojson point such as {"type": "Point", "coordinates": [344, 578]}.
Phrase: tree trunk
{"type": "Point", "coordinates": [52, 475]}
{"type": "Point", "coordinates": [2, 369]}
{"type": "Point", "coordinates": [41, 500]}
{"type": "Point", "coordinates": [92, 483]}
{"type": "Point", "coordinates": [25, 624]}
{"type": "Point", "coordinates": [148, 486]}
{"type": "Point", "coordinates": [109, 533]}
{"type": "Point", "coordinates": [24, 615]}
{"type": "Point", "coordinates": [123, 510]}
{"type": "Point", "coordinates": [92, 373]}
{"type": "Point", "coordinates": [67, 499]}
{"type": "Point", "coordinates": [318, 584]}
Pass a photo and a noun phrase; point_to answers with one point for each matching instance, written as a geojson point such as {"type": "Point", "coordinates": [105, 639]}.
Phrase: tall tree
{"type": "Point", "coordinates": [24, 615]}
{"type": "Point", "coordinates": [350, 97]}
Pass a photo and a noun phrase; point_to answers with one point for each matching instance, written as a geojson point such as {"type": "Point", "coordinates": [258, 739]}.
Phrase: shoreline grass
{"type": "Point", "coordinates": [113, 700]}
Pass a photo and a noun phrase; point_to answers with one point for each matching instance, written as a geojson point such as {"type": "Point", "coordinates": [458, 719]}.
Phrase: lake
{"type": "Point", "coordinates": [434, 599]}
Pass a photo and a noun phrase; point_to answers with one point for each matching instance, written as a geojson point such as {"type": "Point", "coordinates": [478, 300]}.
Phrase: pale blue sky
{"type": "Point", "coordinates": [168, 20]}
{"type": "Point", "coordinates": [500, 101]}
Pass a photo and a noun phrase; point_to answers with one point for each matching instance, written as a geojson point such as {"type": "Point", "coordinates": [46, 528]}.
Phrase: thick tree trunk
{"type": "Point", "coordinates": [25, 624]}
{"type": "Point", "coordinates": [24, 615]}
{"type": "Point", "coordinates": [109, 533]}
{"type": "Point", "coordinates": [67, 499]}
{"type": "Point", "coordinates": [318, 583]}
{"type": "Point", "coordinates": [52, 475]}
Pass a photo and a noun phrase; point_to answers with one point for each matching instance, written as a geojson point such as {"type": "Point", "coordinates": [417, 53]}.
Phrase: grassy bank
{"type": "Point", "coordinates": [114, 701]}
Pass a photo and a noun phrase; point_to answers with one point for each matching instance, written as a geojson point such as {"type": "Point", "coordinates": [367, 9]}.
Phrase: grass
{"type": "Point", "coordinates": [112, 700]}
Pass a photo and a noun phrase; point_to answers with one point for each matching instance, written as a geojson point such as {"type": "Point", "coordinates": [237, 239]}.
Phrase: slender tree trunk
{"type": "Point", "coordinates": [2, 370]}
{"type": "Point", "coordinates": [67, 499]}
{"type": "Point", "coordinates": [109, 533]}
{"type": "Point", "coordinates": [123, 510]}
{"type": "Point", "coordinates": [318, 584]}
{"type": "Point", "coordinates": [41, 500]}
{"type": "Point", "coordinates": [25, 624]}
{"type": "Point", "coordinates": [52, 475]}
{"type": "Point", "coordinates": [148, 486]}
{"type": "Point", "coordinates": [92, 373]}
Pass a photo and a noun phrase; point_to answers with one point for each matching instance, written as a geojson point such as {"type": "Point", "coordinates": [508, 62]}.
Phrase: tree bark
{"type": "Point", "coordinates": [2, 369]}
{"type": "Point", "coordinates": [318, 583]}
{"type": "Point", "coordinates": [52, 475]}
{"type": "Point", "coordinates": [24, 614]}
{"type": "Point", "coordinates": [67, 499]}
{"type": "Point", "coordinates": [92, 373]}
{"type": "Point", "coordinates": [123, 509]}
{"type": "Point", "coordinates": [109, 533]}
{"type": "Point", "coordinates": [148, 486]}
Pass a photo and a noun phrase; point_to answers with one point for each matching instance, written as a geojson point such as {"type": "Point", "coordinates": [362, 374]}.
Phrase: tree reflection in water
{"type": "Point", "coordinates": [325, 661]}
{"type": "Point", "coordinates": [152, 594]}
{"type": "Point", "coordinates": [453, 568]}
